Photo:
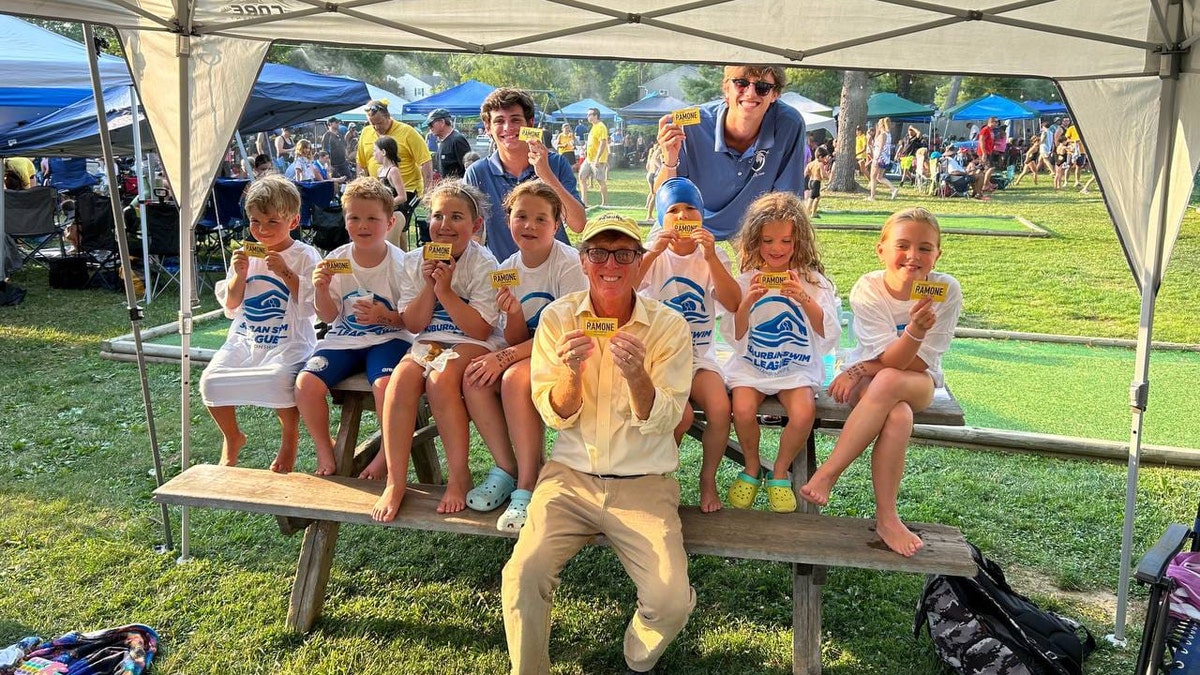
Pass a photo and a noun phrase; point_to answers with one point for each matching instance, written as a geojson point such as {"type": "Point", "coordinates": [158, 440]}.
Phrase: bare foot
{"type": "Point", "coordinates": [326, 466]}
{"type": "Point", "coordinates": [388, 504]}
{"type": "Point", "coordinates": [455, 497]}
{"type": "Point", "coordinates": [285, 461]}
{"type": "Point", "coordinates": [230, 447]}
{"type": "Point", "coordinates": [816, 491]}
{"type": "Point", "coordinates": [377, 469]}
{"type": "Point", "coordinates": [898, 537]}
{"type": "Point", "coordinates": [710, 500]}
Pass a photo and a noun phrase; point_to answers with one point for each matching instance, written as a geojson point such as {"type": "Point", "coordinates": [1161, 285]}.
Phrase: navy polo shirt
{"type": "Point", "coordinates": [730, 181]}
{"type": "Point", "coordinates": [489, 175]}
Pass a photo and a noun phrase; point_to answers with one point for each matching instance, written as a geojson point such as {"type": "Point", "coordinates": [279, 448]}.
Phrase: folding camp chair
{"type": "Point", "coordinates": [162, 233]}
{"type": "Point", "coordinates": [223, 220]}
{"type": "Point", "coordinates": [29, 222]}
{"type": "Point", "coordinates": [97, 238]}
{"type": "Point", "coordinates": [1169, 645]}
{"type": "Point", "coordinates": [313, 195]}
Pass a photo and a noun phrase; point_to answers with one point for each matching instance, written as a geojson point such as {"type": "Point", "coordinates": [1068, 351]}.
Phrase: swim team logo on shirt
{"type": "Point", "coordinates": [270, 305]}
{"type": "Point", "coordinates": [779, 341]}
{"type": "Point", "coordinates": [441, 322]}
{"type": "Point", "coordinates": [353, 328]}
{"type": "Point", "coordinates": [760, 160]}
{"type": "Point", "coordinates": [689, 303]}
{"type": "Point", "coordinates": [541, 297]}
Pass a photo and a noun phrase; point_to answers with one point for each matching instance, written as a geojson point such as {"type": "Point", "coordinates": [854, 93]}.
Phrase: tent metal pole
{"type": "Point", "coordinates": [186, 275]}
{"type": "Point", "coordinates": [139, 167]}
{"type": "Point", "coordinates": [3, 234]}
{"type": "Point", "coordinates": [135, 312]}
{"type": "Point", "coordinates": [1151, 277]}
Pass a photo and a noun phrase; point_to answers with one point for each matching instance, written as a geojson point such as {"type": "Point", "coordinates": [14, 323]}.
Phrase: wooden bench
{"type": "Point", "coordinates": [808, 541]}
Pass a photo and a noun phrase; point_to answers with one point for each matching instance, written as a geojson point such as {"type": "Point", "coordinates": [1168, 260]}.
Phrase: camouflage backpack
{"type": "Point", "coordinates": [981, 626]}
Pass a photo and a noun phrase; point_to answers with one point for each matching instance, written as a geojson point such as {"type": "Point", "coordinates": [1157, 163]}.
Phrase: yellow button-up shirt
{"type": "Point", "coordinates": [410, 147]}
{"type": "Point", "coordinates": [604, 436]}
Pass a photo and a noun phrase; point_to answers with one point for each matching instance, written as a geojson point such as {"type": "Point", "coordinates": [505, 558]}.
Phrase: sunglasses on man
{"type": "Point", "coordinates": [761, 87]}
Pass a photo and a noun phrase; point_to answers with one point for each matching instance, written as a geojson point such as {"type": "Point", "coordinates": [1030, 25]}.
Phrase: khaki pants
{"type": "Point", "coordinates": [640, 517]}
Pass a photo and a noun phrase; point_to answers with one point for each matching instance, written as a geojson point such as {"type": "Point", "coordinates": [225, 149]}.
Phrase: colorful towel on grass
{"type": "Point", "coordinates": [127, 650]}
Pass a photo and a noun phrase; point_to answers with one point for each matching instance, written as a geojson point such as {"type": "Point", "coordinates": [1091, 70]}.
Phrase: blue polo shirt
{"type": "Point", "coordinates": [489, 175]}
{"type": "Point", "coordinates": [730, 181]}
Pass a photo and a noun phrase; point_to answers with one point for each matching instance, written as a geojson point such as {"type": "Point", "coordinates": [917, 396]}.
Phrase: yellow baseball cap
{"type": "Point", "coordinates": [612, 222]}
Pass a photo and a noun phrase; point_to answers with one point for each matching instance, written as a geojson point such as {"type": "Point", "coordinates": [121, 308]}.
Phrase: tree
{"type": "Point", "coordinates": [705, 86]}
{"type": "Point", "coordinates": [109, 44]}
{"type": "Point", "coordinates": [822, 86]}
{"type": "Point", "coordinates": [853, 114]}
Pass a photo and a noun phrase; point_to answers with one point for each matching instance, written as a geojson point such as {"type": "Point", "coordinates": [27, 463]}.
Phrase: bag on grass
{"type": "Point", "coordinates": [127, 650]}
{"type": "Point", "coordinates": [981, 626]}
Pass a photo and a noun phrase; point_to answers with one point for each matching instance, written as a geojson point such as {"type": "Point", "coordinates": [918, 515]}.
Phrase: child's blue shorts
{"type": "Point", "coordinates": [335, 365]}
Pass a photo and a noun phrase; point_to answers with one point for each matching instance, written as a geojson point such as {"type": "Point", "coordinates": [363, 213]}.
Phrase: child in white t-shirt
{"type": "Point", "coordinates": [496, 387]}
{"type": "Point", "coordinates": [367, 332]}
{"type": "Point", "coordinates": [451, 307]}
{"type": "Point", "coordinates": [690, 273]}
{"type": "Point", "coordinates": [269, 297]}
{"type": "Point", "coordinates": [780, 334]}
{"type": "Point", "coordinates": [895, 368]}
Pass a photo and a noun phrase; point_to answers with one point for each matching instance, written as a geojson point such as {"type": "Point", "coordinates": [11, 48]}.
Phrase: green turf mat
{"type": "Point", "coordinates": [1072, 390]}
{"type": "Point", "coordinates": [971, 224]}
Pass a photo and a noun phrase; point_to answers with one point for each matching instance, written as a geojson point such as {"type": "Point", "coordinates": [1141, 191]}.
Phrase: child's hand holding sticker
{"type": "Point", "coordinates": [254, 249]}
{"type": "Point", "coordinates": [338, 266]}
{"type": "Point", "coordinates": [773, 279]}
{"type": "Point", "coordinates": [934, 290]}
{"type": "Point", "coordinates": [505, 278]}
{"type": "Point", "coordinates": [437, 251]}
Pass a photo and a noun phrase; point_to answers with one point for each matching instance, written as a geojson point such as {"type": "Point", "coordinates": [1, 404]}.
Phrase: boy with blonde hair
{"type": "Point", "coordinates": [268, 294]}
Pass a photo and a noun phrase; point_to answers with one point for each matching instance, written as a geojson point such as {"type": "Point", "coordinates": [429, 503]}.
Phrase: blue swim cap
{"type": "Point", "coordinates": [677, 190]}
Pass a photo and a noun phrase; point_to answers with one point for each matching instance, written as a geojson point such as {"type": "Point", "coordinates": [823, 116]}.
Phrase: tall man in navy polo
{"type": "Point", "coordinates": [514, 161]}
{"type": "Point", "coordinates": [745, 145]}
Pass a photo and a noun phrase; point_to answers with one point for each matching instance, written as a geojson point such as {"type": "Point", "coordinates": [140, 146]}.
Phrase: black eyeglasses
{"type": "Point", "coordinates": [761, 87]}
{"type": "Point", "coordinates": [624, 256]}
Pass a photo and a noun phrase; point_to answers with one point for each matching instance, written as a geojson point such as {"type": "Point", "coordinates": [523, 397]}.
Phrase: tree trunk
{"type": "Point", "coordinates": [952, 93]}
{"type": "Point", "coordinates": [853, 113]}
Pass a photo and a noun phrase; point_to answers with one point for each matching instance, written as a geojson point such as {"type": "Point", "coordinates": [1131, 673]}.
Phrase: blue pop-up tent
{"type": "Point", "coordinates": [462, 101]}
{"type": "Point", "coordinates": [651, 108]}
{"type": "Point", "coordinates": [282, 96]}
{"type": "Point", "coordinates": [991, 105]}
{"type": "Point", "coordinates": [42, 71]}
{"type": "Point", "coordinates": [578, 111]}
{"type": "Point", "coordinates": [1042, 108]}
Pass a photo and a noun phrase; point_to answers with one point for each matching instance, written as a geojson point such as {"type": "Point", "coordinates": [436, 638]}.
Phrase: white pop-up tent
{"type": "Point", "coordinates": [1125, 67]}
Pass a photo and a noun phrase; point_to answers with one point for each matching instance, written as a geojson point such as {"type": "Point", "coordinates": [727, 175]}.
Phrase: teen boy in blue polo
{"type": "Point", "coordinates": [745, 145]}
{"type": "Point", "coordinates": [514, 161]}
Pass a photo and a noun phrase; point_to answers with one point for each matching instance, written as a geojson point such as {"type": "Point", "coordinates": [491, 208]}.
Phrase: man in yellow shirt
{"type": "Point", "coordinates": [615, 400]}
{"type": "Point", "coordinates": [595, 165]}
{"type": "Point", "coordinates": [416, 162]}
{"type": "Point", "coordinates": [24, 169]}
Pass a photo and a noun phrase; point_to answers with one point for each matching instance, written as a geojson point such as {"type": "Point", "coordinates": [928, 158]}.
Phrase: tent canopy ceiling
{"type": "Point", "coordinates": [883, 104]}
{"type": "Point", "coordinates": [578, 111]}
{"type": "Point", "coordinates": [651, 107]}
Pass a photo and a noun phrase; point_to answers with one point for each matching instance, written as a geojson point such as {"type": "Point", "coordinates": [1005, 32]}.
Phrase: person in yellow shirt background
{"type": "Point", "coordinates": [595, 164]}
{"type": "Point", "coordinates": [416, 162]}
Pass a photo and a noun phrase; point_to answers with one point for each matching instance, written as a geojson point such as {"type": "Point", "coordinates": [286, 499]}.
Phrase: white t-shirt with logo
{"type": "Point", "coordinates": [684, 283]}
{"type": "Point", "coordinates": [471, 282]}
{"type": "Point", "coordinates": [384, 282]}
{"type": "Point", "coordinates": [780, 349]}
{"type": "Point", "coordinates": [879, 319]}
{"type": "Point", "coordinates": [271, 335]}
{"type": "Point", "coordinates": [559, 274]}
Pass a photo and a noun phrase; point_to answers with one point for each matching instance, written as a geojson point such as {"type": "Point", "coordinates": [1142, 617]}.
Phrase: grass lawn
{"type": "Point", "coordinates": [951, 223]}
{"type": "Point", "coordinates": [77, 530]}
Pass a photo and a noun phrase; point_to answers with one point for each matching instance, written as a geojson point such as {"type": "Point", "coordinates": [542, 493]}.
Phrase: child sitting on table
{"type": "Point", "coordinates": [449, 303]}
{"type": "Point", "coordinates": [356, 288]}
{"type": "Point", "coordinates": [269, 297]}
{"type": "Point", "coordinates": [781, 332]}
{"type": "Point", "coordinates": [497, 390]}
{"type": "Point", "coordinates": [895, 368]}
{"type": "Point", "coordinates": [690, 273]}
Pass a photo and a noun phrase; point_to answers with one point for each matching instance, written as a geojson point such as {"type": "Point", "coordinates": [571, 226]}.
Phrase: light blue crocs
{"type": "Point", "coordinates": [514, 516]}
{"type": "Point", "coordinates": [492, 492]}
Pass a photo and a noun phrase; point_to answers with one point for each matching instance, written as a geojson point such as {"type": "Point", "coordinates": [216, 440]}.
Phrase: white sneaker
{"type": "Point", "coordinates": [894, 191]}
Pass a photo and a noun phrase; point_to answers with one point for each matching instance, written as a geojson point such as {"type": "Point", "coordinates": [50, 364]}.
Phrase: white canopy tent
{"type": "Point", "coordinates": [1125, 68]}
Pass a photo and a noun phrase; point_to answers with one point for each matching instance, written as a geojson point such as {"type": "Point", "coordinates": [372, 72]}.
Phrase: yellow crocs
{"type": "Point", "coordinates": [780, 495]}
{"type": "Point", "coordinates": [742, 491]}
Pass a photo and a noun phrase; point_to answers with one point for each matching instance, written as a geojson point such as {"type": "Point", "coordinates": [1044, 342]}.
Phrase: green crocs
{"type": "Point", "coordinates": [742, 491]}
